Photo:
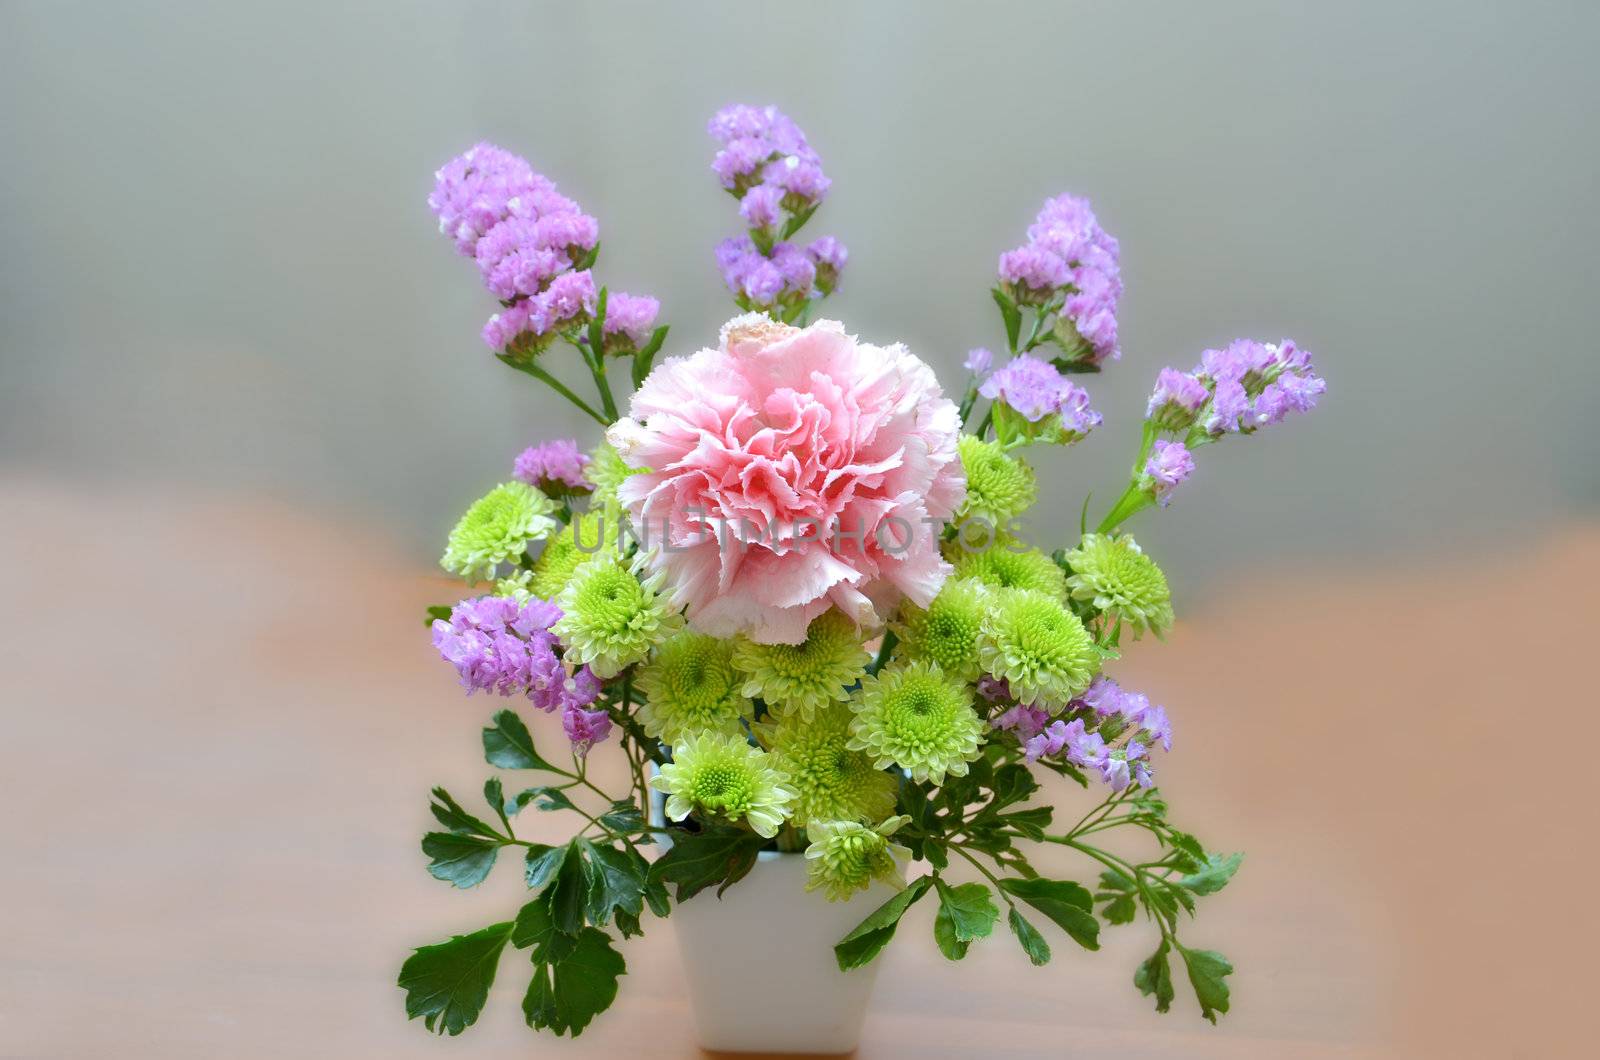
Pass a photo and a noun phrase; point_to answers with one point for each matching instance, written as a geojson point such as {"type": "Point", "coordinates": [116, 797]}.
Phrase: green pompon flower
{"type": "Point", "coordinates": [724, 776]}
{"type": "Point", "coordinates": [999, 487]}
{"type": "Point", "coordinates": [516, 586]}
{"type": "Point", "coordinates": [1032, 641]}
{"type": "Point", "coordinates": [691, 687]}
{"type": "Point", "coordinates": [497, 529]}
{"type": "Point", "coordinates": [915, 717]}
{"type": "Point", "coordinates": [565, 552]}
{"type": "Point", "coordinates": [609, 618]}
{"type": "Point", "coordinates": [799, 678]}
{"type": "Point", "coordinates": [845, 857]}
{"type": "Point", "coordinates": [606, 470]}
{"type": "Point", "coordinates": [1115, 575]}
{"type": "Point", "coordinates": [1006, 564]}
{"type": "Point", "coordinates": [947, 632]}
{"type": "Point", "coordinates": [831, 782]}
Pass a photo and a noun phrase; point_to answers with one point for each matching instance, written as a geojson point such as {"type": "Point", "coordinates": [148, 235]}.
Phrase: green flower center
{"type": "Point", "coordinates": [610, 597]}
{"type": "Point", "coordinates": [721, 786]}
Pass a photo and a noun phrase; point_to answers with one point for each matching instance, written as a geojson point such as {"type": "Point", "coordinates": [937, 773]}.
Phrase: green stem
{"type": "Point", "coordinates": [885, 649]}
{"type": "Point", "coordinates": [529, 368]}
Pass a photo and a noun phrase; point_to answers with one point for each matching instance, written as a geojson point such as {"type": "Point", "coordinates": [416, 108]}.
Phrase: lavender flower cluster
{"type": "Point", "coordinates": [533, 247]}
{"type": "Point", "coordinates": [765, 162]}
{"type": "Point", "coordinates": [555, 468]}
{"type": "Point", "coordinates": [1069, 266]}
{"type": "Point", "coordinates": [1037, 391]}
{"type": "Point", "coordinates": [1236, 390]}
{"type": "Point", "coordinates": [504, 646]}
{"type": "Point", "coordinates": [1107, 729]}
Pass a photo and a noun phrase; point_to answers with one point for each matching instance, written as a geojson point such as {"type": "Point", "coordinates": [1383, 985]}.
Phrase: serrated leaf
{"type": "Point", "coordinates": [534, 927]}
{"type": "Point", "coordinates": [1033, 943]}
{"type": "Point", "coordinates": [447, 983]}
{"type": "Point", "coordinates": [623, 818]}
{"type": "Point", "coordinates": [616, 883]}
{"type": "Point", "coordinates": [569, 894]}
{"type": "Point", "coordinates": [1113, 880]}
{"type": "Point", "coordinates": [548, 798]}
{"type": "Point", "coordinates": [1214, 876]}
{"type": "Point", "coordinates": [543, 864]}
{"type": "Point", "coordinates": [1031, 822]}
{"type": "Point", "coordinates": [449, 813]}
{"type": "Point", "coordinates": [494, 794]}
{"type": "Point", "coordinates": [944, 934]}
{"type": "Point", "coordinates": [869, 937]}
{"type": "Point", "coordinates": [1120, 910]}
{"type": "Point", "coordinates": [720, 855]}
{"type": "Point", "coordinates": [508, 744]}
{"type": "Point", "coordinates": [1066, 903]}
{"type": "Point", "coordinates": [970, 908]}
{"type": "Point", "coordinates": [1207, 969]}
{"type": "Point", "coordinates": [1012, 783]}
{"type": "Point", "coordinates": [460, 860]}
{"type": "Point", "coordinates": [578, 987]}
{"type": "Point", "coordinates": [1154, 976]}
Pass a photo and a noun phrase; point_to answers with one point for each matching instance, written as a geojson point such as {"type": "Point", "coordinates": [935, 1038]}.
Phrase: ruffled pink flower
{"type": "Point", "coordinates": [794, 470]}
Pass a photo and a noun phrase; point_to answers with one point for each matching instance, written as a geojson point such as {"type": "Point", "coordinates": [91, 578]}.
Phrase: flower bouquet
{"type": "Point", "coordinates": [792, 588]}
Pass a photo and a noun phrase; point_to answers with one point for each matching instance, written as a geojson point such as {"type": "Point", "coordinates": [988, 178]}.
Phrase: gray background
{"type": "Point", "coordinates": [219, 273]}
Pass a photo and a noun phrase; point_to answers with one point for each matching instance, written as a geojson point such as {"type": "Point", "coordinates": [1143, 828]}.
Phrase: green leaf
{"type": "Point", "coordinates": [1207, 968]}
{"type": "Point", "coordinates": [1214, 876]}
{"type": "Point", "coordinates": [1113, 880]}
{"type": "Point", "coordinates": [569, 894]}
{"type": "Point", "coordinates": [796, 222]}
{"type": "Point", "coordinates": [437, 613]}
{"type": "Point", "coordinates": [720, 855]}
{"type": "Point", "coordinates": [1154, 976]}
{"type": "Point", "coordinates": [869, 937]}
{"type": "Point", "coordinates": [543, 864]}
{"type": "Point", "coordinates": [1033, 943]}
{"type": "Point", "coordinates": [597, 328]}
{"type": "Point", "coordinates": [494, 794]}
{"type": "Point", "coordinates": [1069, 905]}
{"type": "Point", "coordinates": [447, 984]}
{"type": "Point", "coordinates": [645, 358]}
{"type": "Point", "coordinates": [534, 927]}
{"type": "Point", "coordinates": [549, 798]}
{"type": "Point", "coordinates": [944, 933]}
{"type": "Point", "coordinates": [971, 909]}
{"type": "Point", "coordinates": [1031, 822]}
{"type": "Point", "coordinates": [449, 813]}
{"type": "Point", "coordinates": [508, 744]}
{"type": "Point", "coordinates": [616, 882]}
{"type": "Point", "coordinates": [588, 260]}
{"type": "Point", "coordinates": [461, 860]}
{"type": "Point", "coordinates": [1012, 783]}
{"type": "Point", "coordinates": [1012, 317]}
{"type": "Point", "coordinates": [567, 995]}
{"type": "Point", "coordinates": [1120, 910]}
{"type": "Point", "coordinates": [623, 818]}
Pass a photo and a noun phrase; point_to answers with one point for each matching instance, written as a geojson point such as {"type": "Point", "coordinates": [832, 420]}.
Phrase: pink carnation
{"type": "Point", "coordinates": [798, 471]}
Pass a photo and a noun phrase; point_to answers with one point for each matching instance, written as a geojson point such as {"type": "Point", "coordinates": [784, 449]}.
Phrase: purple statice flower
{"type": "Point", "coordinates": [1176, 400]}
{"type": "Point", "coordinates": [520, 255]}
{"type": "Point", "coordinates": [1229, 403]}
{"type": "Point", "coordinates": [524, 318]}
{"type": "Point", "coordinates": [978, 360]}
{"type": "Point", "coordinates": [476, 190]}
{"type": "Point", "coordinates": [828, 252]}
{"type": "Point", "coordinates": [498, 644]}
{"type": "Point", "coordinates": [994, 689]}
{"type": "Point", "coordinates": [585, 728]}
{"type": "Point", "coordinates": [1103, 696]}
{"type": "Point", "coordinates": [1257, 384]}
{"type": "Point", "coordinates": [631, 316]}
{"type": "Point", "coordinates": [796, 267]}
{"type": "Point", "coordinates": [1035, 390]}
{"type": "Point", "coordinates": [555, 467]}
{"type": "Point", "coordinates": [570, 296]}
{"type": "Point", "coordinates": [764, 143]}
{"type": "Point", "coordinates": [1069, 256]}
{"type": "Point", "coordinates": [762, 205]}
{"type": "Point", "coordinates": [1026, 722]}
{"type": "Point", "coordinates": [1052, 740]}
{"type": "Point", "coordinates": [763, 281]}
{"type": "Point", "coordinates": [1034, 271]}
{"type": "Point", "coordinates": [1301, 389]}
{"type": "Point", "coordinates": [1169, 464]}
{"type": "Point", "coordinates": [1155, 724]}
{"type": "Point", "coordinates": [738, 161]}
{"type": "Point", "coordinates": [801, 181]}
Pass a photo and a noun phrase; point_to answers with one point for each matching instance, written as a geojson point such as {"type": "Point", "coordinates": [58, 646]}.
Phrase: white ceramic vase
{"type": "Point", "coordinates": [760, 967]}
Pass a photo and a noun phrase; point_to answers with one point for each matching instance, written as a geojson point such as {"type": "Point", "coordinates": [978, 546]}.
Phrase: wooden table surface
{"type": "Point", "coordinates": [221, 720]}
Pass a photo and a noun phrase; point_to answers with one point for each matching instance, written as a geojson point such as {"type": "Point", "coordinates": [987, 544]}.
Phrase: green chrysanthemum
{"type": "Point", "coordinates": [947, 632]}
{"type": "Point", "coordinates": [606, 470]}
{"type": "Point", "coordinates": [724, 776]}
{"type": "Point", "coordinates": [691, 687]}
{"type": "Point", "coordinates": [1007, 564]}
{"type": "Point", "coordinates": [564, 552]}
{"type": "Point", "coordinates": [610, 618]}
{"type": "Point", "coordinates": [799, 678]}
{"type": "Point", "coordinates": [831, 781]}
{"type": "Point", "coordinates": [1031, 640]}
{"type": "Point", "coordinates": [497, 529]}
{"type": "Point", "coordinates": [915, 717]}
{"type": "Point", "coordinates": [845, 857]}
{"type": "Point", "coordinates": [999, 487]}
{"type": "Point", "coordinates": [1115, 575]}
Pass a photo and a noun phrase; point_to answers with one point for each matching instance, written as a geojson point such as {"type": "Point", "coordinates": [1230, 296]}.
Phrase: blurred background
{"type": "Point", "coordinates": [242, 398]}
